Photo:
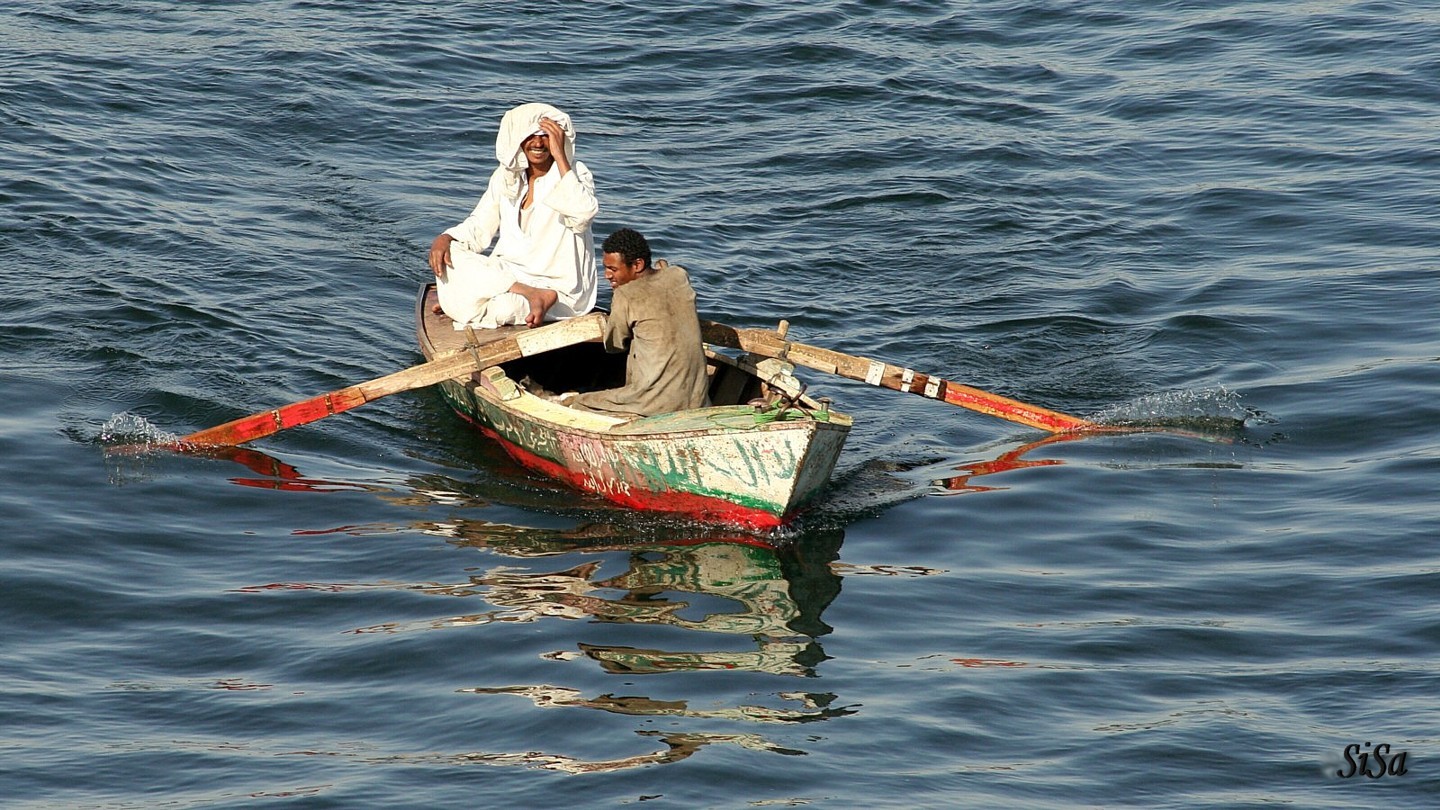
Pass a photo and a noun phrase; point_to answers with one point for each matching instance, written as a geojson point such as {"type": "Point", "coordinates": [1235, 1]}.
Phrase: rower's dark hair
{"type": "Point", "coordinates": [629, 244]}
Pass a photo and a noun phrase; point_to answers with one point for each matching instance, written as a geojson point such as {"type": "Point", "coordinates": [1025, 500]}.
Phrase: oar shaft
{"type": "Point", "coordinates": [885, 375]}
{"type": "Point", "coordinates": [503, 350]}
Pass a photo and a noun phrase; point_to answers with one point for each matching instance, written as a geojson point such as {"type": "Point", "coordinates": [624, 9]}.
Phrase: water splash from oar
{"type": "Point", "coordinates": [130, 444]}
{"type": "Point", "coordinates": [125, 431]}
{"type": "Point", "coordinates": [1215, 412]}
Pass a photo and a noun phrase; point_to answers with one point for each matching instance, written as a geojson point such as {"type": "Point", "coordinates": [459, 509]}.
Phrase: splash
{"type": "Point", "coordinates": [130, 442]}
{"type": "Point", "coordinates": [134, 432]}
{"type": "Point", "coordinates": [1214, 410]}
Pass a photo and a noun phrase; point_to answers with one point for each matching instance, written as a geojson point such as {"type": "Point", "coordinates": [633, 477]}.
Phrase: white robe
{"type": "Point", "coordinates": [555, 249]}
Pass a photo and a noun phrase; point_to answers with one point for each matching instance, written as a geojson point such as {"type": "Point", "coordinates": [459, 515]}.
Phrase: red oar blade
{"type": "Point", "coordinates": [493, 353]}
{"type": "Point", "coordinates": [884, 375]}
{"type": "Point", "coordinates": [1011, 409]}
{"type": "Point", "coordinates": [266, 423]}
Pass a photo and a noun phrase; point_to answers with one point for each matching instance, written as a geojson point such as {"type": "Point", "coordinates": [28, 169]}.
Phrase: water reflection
{"type": "Point", "coordinates": [745, 604]}
{"type": "Point", "coordinates": [693, 604]}
{"type": "Point", "coordinates": [1005, 462]}
{"type": "Point", "coordinates": [803, 707]}
{"type": "Point", "coordinates": [678, 746]}
{"type": "Point", "coordinates": [736, 585]}
{"type": "Point", "coordinates": [1223, 430]}
{"type": "Point", "coordinates": [276, 474]}
{"type": "Point", "coordinates": [719, 602]}
{"type": "Point", "coordinates": [730, 586]}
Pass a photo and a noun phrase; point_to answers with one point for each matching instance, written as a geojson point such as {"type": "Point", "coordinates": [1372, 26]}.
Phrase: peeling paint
{"type": "Point", "coordinates": [756, 476]}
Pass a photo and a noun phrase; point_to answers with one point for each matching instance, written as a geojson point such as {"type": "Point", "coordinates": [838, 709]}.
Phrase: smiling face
{"type": "Point", "coordinates": [536, 150]}
{"type": "Point", "coordinates": [618, 272]}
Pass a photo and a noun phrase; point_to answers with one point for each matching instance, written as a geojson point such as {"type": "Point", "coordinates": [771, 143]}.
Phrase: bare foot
{"type": "Point", "coordinates": [540, 300]}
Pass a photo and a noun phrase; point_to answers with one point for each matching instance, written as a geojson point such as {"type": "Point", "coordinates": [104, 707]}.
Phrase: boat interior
{"type": "Point", "coordinates": [735, 379]}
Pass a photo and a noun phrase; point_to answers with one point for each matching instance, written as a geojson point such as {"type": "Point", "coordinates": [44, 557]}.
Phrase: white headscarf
{"type": "Point", "coordinates": [518, 124]}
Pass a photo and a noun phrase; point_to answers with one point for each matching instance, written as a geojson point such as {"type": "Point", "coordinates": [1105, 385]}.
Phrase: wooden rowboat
{"type": "Point", "coordinates": [756, 457]}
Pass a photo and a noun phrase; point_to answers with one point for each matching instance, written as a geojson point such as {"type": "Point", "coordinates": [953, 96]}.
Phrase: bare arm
{"type": "Point", "coordinates": [557, 145]}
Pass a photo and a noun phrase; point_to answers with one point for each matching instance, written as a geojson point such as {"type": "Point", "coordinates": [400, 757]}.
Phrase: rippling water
{"type": "Point", "coordinates": [1127, 210]}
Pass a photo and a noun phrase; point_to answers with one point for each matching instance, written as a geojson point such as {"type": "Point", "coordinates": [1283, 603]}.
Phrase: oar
{"type": "Point", "coordinates": [774, 344]}
{"type": "Point", "coordinates": [522, 344]}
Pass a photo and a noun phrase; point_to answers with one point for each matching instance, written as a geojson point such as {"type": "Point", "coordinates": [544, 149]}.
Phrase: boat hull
{"type": "Point", "coordinates": [754, 476]}
{"type": "Point", "coordinates": [737, 464]}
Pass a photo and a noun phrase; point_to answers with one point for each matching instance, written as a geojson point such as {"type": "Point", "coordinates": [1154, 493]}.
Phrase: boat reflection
{"type": "Point", "coordinates": [713, 584]}
{"type": "Point", "coordinates": [735, 585]}
{"type": "Point", "coordinates": [807, 707]}
{"type": "Point", "coordinates": [720, 588]}
{"type": "Point", "coordinates": [678, 746]}
{"type": "Point", "coordinates": [717, 585]}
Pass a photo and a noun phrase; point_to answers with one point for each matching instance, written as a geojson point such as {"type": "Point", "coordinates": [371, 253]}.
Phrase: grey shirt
{"type": "Point", "coordinates": [654, 318]}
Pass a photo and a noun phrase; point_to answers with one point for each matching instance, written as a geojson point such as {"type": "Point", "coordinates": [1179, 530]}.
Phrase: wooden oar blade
{"type": "Point", "coordinates": [884, 375]}
{"type": "Point", "coordinates": [266, 423]}
{"type": "Point", "coordinates": [1011, 409]}
{"type": "Point", "coordinates": [774, 344]}
{"type": "Point", "coordinates": [503, 350]}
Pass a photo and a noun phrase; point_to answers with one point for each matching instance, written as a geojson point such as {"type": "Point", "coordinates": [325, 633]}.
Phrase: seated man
{"type": "Point", "coordinates": [652, 314]}
{"type": "Point", "coordinates": [540, 201]}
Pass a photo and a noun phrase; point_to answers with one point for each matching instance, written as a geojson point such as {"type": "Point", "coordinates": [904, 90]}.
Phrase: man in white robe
{"type": "Point", "coordinates": [540, 202]}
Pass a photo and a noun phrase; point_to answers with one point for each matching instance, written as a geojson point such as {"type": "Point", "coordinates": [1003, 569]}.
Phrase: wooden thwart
{"type": "Point", "coordinates": [503, 350]}
{"type": "Point", "coordinates": [772, 344]}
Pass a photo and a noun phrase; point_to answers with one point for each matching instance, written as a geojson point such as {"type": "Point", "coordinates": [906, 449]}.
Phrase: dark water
{"type": "Point", "coordinates": [1129, 209]}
